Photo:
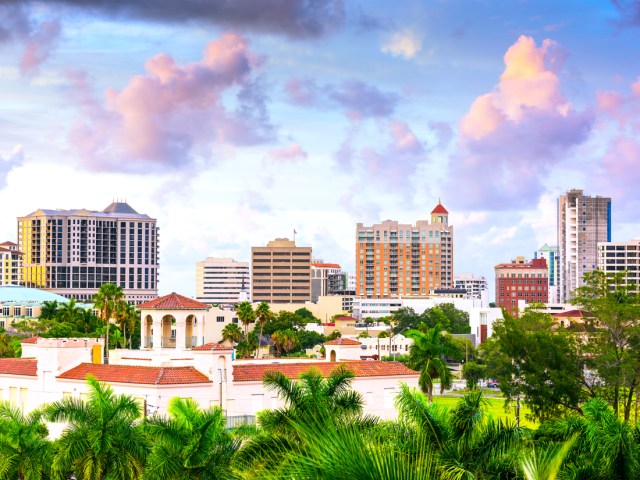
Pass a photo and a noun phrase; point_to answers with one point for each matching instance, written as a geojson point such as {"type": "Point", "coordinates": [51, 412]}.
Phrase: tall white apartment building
{"type": "Point", "coordinates": [222, 281]}
{"type": "Point", "coordinates": [473, 284]}
{"type": "Point", "coordinates": [615, 257]}
{"type": "Point", "coordinates": [583, 222]}
{"type": "Point", "coordinates": [10, 264]}
{"type": "Point", "coordinates": [73, 252]}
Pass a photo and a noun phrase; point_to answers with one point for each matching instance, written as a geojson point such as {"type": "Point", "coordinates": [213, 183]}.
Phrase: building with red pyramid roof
{"type": "Point", "coordinates": [395, 260]}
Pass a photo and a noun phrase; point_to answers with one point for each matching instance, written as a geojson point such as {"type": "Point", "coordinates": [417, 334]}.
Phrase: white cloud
{"type": "Point", "coordinates": [405, 43]}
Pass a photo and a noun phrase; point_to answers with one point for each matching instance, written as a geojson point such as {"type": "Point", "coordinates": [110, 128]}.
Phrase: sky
{"type": "Point", "coordinates": [233, 123]}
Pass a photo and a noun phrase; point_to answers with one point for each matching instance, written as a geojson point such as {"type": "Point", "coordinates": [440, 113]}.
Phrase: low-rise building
{"type": "Point", "coordinates": [616, 257]}
{"type": "Point", "coordinates": [10, 264]}
{"type": "Point", "coordinates": [521, 280]}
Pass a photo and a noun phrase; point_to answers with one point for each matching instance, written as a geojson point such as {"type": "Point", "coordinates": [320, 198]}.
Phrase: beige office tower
{"type": "Point", "coordinates": [583, 222]}
{"type": "Point", "coordinates": [73, 252]}
{"type": "Point", "coordinates": [394, 259]}
{"type": "Point", "coordinates": [281, 272]}
{"type": "Point", "coordinates": [222, 281]}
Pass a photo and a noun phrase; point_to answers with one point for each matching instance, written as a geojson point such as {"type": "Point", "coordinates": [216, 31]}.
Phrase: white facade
{"type": "Point", "coordinates": [615, 257]}
{"type": "Point", "coordinates": [583, 222]}
{"type": "Point", "coordinates": [222, 281]}
{"type": "Point", "coordinates": [473, 284]}
{"type": "Point", "coordinates": [10, 264]}
{"type": "Point", "coordinates": [375, 307]}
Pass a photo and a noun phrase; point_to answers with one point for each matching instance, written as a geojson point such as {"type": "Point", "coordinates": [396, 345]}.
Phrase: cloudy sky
{"type": "Point", "coordinates": [235, 122]}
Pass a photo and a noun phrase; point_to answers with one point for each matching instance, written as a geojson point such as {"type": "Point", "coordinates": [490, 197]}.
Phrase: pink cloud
{"type": "Point", "coordinates": [290, 153]}
{"type": "Point", "coordinates": [513, 136]}
{"type": "Point", "coordinates": [39, 46]}
{"type": "Point", "coordinates": [173, 113]}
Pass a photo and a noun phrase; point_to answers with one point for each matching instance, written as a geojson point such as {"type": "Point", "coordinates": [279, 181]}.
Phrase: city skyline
{"type": "Point", "coordinates": [237, 126]}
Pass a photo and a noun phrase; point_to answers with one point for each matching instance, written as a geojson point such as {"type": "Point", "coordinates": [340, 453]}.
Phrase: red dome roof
{"type": "Point", "coordinates": [440, 209]}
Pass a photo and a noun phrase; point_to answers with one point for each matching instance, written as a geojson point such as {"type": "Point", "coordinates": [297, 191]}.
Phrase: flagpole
{"type": "Point", "coordinates": [294, 235]}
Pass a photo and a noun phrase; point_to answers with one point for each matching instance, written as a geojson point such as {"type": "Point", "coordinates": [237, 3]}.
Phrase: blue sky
{"type": "Point", "coordinates": [234, 123]}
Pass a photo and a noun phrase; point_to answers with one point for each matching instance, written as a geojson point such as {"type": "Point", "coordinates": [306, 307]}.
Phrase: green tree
{"type": "Point", "coordinates": [190, 444]}
{"type": "Point", "coordinates": [467, 445]}
{"type": "Point", "coordinates": [310, 398]}
{"type": "Point", "coordinates": [458, 319]}
{"type": "Point", "coordinates": [107, 299]}
{"type": "Point", "coordinates": [126, 316]}
{"type": "Point", "coordinates": [102, 439]}
{"type": "Point", "coordinates": [9, 345]}
{"type": "Point", "coordinates": [246, 315]}
{"type": "Point", "coordinates": [49, 310]}
{"type": "Point", "coordinates": [333, 335]}
{"type": "Point", "coordinates": [68, 312]}
{"type": "Point", "coordinates": [309, 339]}
{"type": "Point", "coordinates": [613, 337]}
{"type": "Point", "coordinates": [25, 452]}
{"type": "Point", "coordinates": [427, 355]}
{"type": "Point", "coordinates": [263, 315]}
{"type": "Point", "coordinates": [529, 358]}
{"type": "Point", "coordinates": [473, 372]}
{"type": "Point", "coordinates": [231, 332]}
{"type": "Point", "coordinates": [290, 340]}
{"type": "Point", "coordinates": [306, 315]}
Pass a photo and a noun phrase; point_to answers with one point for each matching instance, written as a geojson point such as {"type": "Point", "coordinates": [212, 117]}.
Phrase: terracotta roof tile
{"type": "Point", "coordinates": [173, 301]}
{"type": "Point", "coordinates": [343, 341]}
{"type": "Point", "coordinates": [361, 368]}
{"type": "Point", "coordinates": [136, 374]}
{"type": "Point", "coordinates": [19, 366]}
{"type": "Point", "coordinates": [325, 265]}
{"type": "Point", "coordinates": [439, 209]}
{"type": "Point", "coordinates": [569, 313]}
{"type": "Point", "coordinates": [30, 340]}
{"type": "Point", "coordinates": [211, 346]}
{"type": "Point", "coordinates": [346, 318]}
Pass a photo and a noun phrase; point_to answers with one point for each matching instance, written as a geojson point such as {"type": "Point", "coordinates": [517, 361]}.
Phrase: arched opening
{"type": "Point", "coordinates": [332, 356]}
{"type": "Point", "coordinates": [168, 331]}
{"type": "Point", "coordinates": [189, 330]}
{"type": "Point", "coordinates": [148, 332]}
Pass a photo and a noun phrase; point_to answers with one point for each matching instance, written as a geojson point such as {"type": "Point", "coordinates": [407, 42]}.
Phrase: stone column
{"type": "Point", "coordinates": [157, 332]}
{"type": "Point", "coordinates": [181, 331]}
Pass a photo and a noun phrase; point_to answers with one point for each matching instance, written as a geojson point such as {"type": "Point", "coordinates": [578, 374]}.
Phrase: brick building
{"type": "Point", "coordinates": [520, 280]}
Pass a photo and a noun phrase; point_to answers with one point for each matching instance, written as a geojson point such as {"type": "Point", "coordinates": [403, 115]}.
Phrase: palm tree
{"type": "Point", "coordinates": [467, 444]}
{"type": "Point", "coordinates": [545, 465]}
{"type": "Point", "coordinates": [102, 439]}
{"type": "Point", "coordinates": [126, 315]}
{"type": "Point", "coordinates": [232, 333]}
{"type": "Point", "coordinates": [263, 315]}
{"type": "Point", "coordinates": [277, 338]}
{"type": "Point", "coordinates": [49, 310]}
{"type": "Point", "coordinates": [311, 398]}
{"type": "Point", "coordinates": [106, 301]}
{"type": "Point", "coordinates": [290, 340]}
{"type": "Point", "coordinates": [427, 355]}
{"type": "Point", "coordinates": [191, 444]}
{"type": "Point", "coordinates": [246, 315]}
{"type": "Point", "coordinates": [69, 312]}
{"type": "Point", "coordinates": [25, 452]}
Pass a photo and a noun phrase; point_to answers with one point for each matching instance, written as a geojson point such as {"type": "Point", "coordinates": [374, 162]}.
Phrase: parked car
{"type": "Point", "coordinates": [492, 384]}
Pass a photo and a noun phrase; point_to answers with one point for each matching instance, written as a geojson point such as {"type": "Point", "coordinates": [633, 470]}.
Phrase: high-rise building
{"type": "Point", "coordinates": [73, 252]}
{"type": "Point", "coordinates": [550, 254]}
{"type": "Point", "coordinates": [10, 264]}
{"type": "Point", "coordinates": [222, 281]}
{"type": "Point", "coordinates": [281, 272]}
{"type": "Point", "coordinates": [394, 259]}
{"type": "Point", "coordinates": [583, 221]}
{"type": "Point", "coordinates": [520, 280]}
{"type": "Point", "coordinates": [326, 279]}
{"type": "Point", "coordinates": [616, 257]}
{"type": "Point", "coordinates": [473, 284]}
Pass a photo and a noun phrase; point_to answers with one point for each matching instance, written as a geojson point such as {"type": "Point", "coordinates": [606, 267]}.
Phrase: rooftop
{"type": "Point", "coordinates": [360, 368]}
{"type": "Point", "coordinates": [343, 341]}
{"type": "Point", "coordinates": [19, 366]}
{"type": "Point", "coordinates": [18, 293]}
{"type": "Point", "coordinates": [211, 347]}
{"type": "Point", "coordinates": [136, 374]}
{"type": "Point", "coordinates": [173, 301]}
{"type": "Point", "coordinates": [440, 209]}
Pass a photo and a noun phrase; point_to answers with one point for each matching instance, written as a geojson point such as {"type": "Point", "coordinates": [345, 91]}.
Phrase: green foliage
{"type": "Point", "coordinates": [333, 335]}
{"type": "Point", "coordinates": [9, 345]}
{"type": "Point", "coordinates": [102, 439]}
{"type": "Point", "coordinates": [613, 337]}
{"type": "Point", "coordinates": [450, 319]}
{"type": "Point", "coordinates": [309, 339]}
{"type": "Point", "coordinates": [246, 315]}
{"type": "Point", "coordinates": [232, 333]}
{"type": "Point", "coordinates": [25, 452]}
{"type": "Point", "coordinates": [306, 314]}
{"type": "Point", "coordinates": [286, 340]}
{"type": "Point", "coordinates": [427, 355]}
{"type": "Point", "coordinates": [107, 301]}
{"type": "Point", "coordinates": [528, 358]}
{"type": "Point", "coordinates": [190, 444]}
{"type": "Point", "coordinates": [473, 372]}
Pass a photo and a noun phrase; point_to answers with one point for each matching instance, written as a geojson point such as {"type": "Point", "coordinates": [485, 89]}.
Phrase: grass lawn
{"type": "Point", "coordinates": [494, 407]}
